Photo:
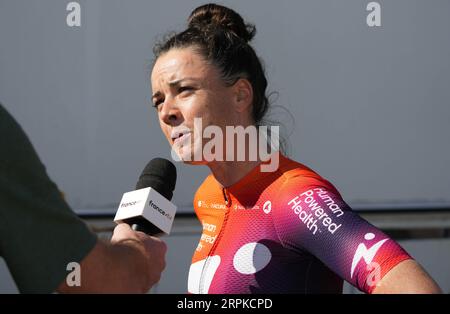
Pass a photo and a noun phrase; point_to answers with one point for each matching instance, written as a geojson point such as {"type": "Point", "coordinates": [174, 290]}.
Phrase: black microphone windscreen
{"type": "Point", "coordinates": [159, 174]}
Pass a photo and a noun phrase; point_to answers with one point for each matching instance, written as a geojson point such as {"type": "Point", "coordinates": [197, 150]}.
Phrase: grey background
{"type": "Point", "coordinates": [371, 105]}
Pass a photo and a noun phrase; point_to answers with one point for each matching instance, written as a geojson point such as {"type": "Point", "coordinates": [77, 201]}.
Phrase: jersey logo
{"type": "Point", "coordinates": [251, 258]}
{"type": "Point", "coordinates": [201, 274]}
{"type": "Point", "coordinates": [267, 207]}
{"type": "Point", "coordinates": [362, 252]}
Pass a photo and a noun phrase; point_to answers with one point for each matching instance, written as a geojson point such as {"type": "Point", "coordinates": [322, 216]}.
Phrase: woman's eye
{"type": "Point", "coordinates": [157, 103]}
{"type": "Point", "coordinates": [185, 88]}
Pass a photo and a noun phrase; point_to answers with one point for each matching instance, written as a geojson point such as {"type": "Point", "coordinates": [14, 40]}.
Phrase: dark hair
{"type": "Point", "coordinates": [221, 36]}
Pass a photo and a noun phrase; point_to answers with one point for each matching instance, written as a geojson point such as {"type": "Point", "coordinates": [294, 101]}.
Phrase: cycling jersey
{"type": "Point", "coordinates": [287, 231]}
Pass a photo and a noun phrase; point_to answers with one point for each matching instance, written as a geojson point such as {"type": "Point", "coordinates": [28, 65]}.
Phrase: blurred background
{"type": "Point", "coordinates": [366, 107]}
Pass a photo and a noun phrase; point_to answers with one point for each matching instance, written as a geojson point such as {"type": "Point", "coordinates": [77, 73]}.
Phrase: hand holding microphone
{"type": "Point", "coordinates": [148, 211]}
{"type": "Point", "coordinates": [151, 259]}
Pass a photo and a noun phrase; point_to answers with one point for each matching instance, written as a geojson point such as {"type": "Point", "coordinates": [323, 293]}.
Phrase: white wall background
{"type": "Point", "coordinates": [371, 105]}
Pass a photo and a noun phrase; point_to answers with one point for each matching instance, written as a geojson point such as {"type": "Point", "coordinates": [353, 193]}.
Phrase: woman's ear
{"type": "Point", "coordinates": [243, 95]}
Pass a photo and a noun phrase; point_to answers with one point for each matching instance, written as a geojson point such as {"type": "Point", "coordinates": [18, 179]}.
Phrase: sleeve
{"type": "Point", "coordinates": [314, 218]}
{"type": "Point", "coordinates": [39, 234]}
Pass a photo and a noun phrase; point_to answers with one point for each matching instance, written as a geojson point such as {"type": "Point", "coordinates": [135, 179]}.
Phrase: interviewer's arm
{"type": "Point", "coordinates": [40, 234]}
{"type": "Point", "coordinates": [131, 263]}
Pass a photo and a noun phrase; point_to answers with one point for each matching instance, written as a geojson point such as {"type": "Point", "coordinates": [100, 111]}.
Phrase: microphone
{"type": "Point", "coordinates": [148, 208]}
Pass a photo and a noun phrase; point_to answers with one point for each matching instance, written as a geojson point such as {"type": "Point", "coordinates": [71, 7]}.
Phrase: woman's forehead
{"type": "Point", "coordinates": [178, 63]}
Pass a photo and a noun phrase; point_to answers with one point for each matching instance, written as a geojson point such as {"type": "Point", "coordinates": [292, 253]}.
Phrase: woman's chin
{"type": "Point", "coordinates": [186, 155]}
{"type": "Point", "coordinates": [187, 159]}
{"type": "Point", "coordinates": [194, 163]}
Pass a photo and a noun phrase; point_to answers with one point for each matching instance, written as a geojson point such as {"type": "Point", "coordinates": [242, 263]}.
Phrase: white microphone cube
{"type": "Point", "coordinates": [149, 204]}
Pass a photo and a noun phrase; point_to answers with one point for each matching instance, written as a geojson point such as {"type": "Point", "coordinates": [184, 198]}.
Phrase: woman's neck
{"type": "Point", "coordinates": [228, 173]}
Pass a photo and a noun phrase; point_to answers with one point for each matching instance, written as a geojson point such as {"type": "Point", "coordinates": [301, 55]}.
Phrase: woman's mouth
{"type": "Point", "coordinates": [180, 138]}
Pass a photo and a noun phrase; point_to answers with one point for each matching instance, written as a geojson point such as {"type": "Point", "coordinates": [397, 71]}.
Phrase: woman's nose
{"type": "Point", "coordinates": [170, 114]}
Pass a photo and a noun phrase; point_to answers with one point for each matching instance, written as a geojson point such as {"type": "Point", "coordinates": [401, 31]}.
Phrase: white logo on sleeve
{"type": "Point", "coordinates": [363, 252]}
{"type": "Point", "coordinates": [267, 207]}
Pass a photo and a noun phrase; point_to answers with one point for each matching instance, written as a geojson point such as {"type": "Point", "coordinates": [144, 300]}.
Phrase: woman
{"type": "Point", "coordinates": [284, 231]}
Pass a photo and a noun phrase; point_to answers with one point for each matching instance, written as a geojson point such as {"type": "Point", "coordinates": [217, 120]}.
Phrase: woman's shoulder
{"type": "Point", "coordinates": [300, 176]}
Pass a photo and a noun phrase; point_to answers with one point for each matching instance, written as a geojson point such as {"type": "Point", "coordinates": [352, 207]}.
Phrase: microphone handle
{"type": "Point", "coordinates": [142, 225]}
{"type": "Point", "coordinates": [150, 230]}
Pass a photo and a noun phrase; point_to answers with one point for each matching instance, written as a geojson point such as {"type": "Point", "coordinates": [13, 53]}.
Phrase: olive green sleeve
{"type": "Point", "coordinates": [39, 233]}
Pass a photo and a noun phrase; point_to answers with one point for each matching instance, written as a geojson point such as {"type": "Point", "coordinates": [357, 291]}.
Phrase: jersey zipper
{"type": "Point", "coordinates": [226, 197]}
{"type": "Point", "coordinates": [213, 248]}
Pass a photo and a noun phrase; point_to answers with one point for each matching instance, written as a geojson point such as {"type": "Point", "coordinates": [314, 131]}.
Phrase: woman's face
{"type": "Point", "coordinates": [186, 87]}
